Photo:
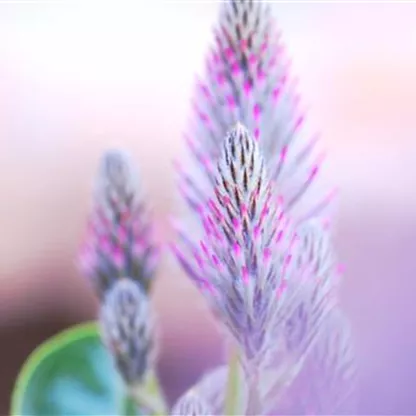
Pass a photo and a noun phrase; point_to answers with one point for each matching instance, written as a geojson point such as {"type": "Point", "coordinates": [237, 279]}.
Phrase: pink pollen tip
{"type": "Point", "coordinates": [205, 90]}
{"type": "Point", "coordinates": [267, 253]}
{"type": "Point", "coordinates": [257, 133]}
{"type": "Point", "coordinates": [199, 260]}
{"type": "Point", "coordinates": [279, 236]}
{"type": "Point", "coordinates": [247, 87]}
{"type": "Point", "coordinates": [204, 118]}
{"type": "Point", "coordinates": [288, 259]}
{"type": "Point", "coordinates": [256, 111]}
{"type": "Point", "coordinates": [244, 274]}
{"type": "Point", "coordinates": [281, 289]}
{"type": "Point", "coordinates": [283, 153]}
{"type": "Point", "coordinates": [235, 68]}
{"type": "Point", "coordinates": [229, 53]}
{"type": "Point", "coordinates": [206, 161]}
{"type": "Point", "coordinates": [215, 261]}
{"type": "Point", "coordinates": [243, 209]}
{"type": "Point", "coordinates": [299, 122]}
{"type": "Point", "coordinates": [236, 223]}
{"type": "Point", "coordinates": [261, 76]}
{"type": "Point", "coordinates": [231, 101]}
{"type": "Point", "coordinates": [236, 249]}
{"type": "Point", "coordinates": [226, 200]}
{"type": "Point", "coordinates": [276, 93]}
{"type": "Point", "coordinates": [314, 172]}
{"type": "Point", "coordinates": [203, 247]}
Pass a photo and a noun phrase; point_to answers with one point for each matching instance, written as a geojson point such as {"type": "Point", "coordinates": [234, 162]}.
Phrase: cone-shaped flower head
{"type": "Point", "coordinates": [243, 262]}
{"type": "Point", "coordinates": [191, 404]}
{"type": "Point", "coordinates": [247, 79]}
{"type": "Point", "coordinates": [127, 329]}
{"type": "Point", "coordinates": [119, 236]}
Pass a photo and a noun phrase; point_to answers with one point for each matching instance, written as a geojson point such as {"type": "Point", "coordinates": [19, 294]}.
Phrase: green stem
{"type": "Point", "coordinates": [232, 393]}
{"type": "Point", "coordinates": [127, 406]}
{"type": "Point", "coordinates": [148, 395]}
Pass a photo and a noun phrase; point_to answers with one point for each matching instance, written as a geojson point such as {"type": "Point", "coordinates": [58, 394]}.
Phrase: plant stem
{"type": "Point", "coordinates": [148, 395]}
{"type": "Point", "coordinates": [127, 407]}
{"type": "Point", "coordinates": [232, 393]}
{"type": "Point", "coordinates": [254, 406]}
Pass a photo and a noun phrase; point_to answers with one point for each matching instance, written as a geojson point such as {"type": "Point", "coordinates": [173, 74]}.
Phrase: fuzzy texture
{"type": "Point", "coordinates": [213, 385]}
{"type": "Point", "coordinates": [245, 260]}
{"type": "Point", "coordinates": [247, 79]}
{"type": "Point", "coordinates": [192, 404]}
{"type": "Point", "coordinates": [328, 382]}
{"type": "Point", "coordinates": [119, 237]}
{"type": "Point", "coordinates": [309, 302]}
{"type": "Point", "coordinates": [127, 329]}
{"type": "Point", "coordinates": [326, 385]}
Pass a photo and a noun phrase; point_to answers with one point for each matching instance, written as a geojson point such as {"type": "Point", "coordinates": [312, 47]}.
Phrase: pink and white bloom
{"type": "Point", "coordinates": [245, 260]}
{"type": "Point", "coordinates": [119, 237]}
{"type": "Point", "coordinates": [248, 80]}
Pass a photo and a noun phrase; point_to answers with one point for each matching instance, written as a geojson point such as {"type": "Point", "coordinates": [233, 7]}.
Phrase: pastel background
{"type": "Point", "coordinates": [76, 77]}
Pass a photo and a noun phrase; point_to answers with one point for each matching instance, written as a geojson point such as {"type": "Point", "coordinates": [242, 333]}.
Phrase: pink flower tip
{"type": "Point", "coordinates": [247, 87]}
{"type": "Point", "coordinates": [244, 274]}
{"type": "Point", "coordinates": [256, 111]}
{"type": "Point", "coordinates": [267, 254]}
{"type": "Point", "coordinates": [236, 249]}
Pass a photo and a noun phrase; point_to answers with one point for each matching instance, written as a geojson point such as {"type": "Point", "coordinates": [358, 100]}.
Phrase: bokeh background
{"type": "Point", "coordinates": [77, 77]}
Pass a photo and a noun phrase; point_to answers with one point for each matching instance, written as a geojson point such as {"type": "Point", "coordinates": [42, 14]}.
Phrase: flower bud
{"type": "Point", "coordinates": [127, 326]}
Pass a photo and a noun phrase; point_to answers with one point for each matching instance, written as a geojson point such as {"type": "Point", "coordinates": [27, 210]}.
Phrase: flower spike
{"type": "Point", "coordinates": [247, 79]}
{"type": "Point", "coordinates": [119, 238]}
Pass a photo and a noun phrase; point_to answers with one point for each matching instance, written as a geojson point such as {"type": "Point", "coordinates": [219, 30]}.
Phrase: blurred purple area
{"type": "Point", "coordinates": [121, 79]}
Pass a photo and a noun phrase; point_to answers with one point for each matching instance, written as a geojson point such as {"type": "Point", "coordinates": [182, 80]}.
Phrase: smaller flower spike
{"type": "Point", "coordinates": [191, 404]}
{"type": "Point", "coordinates": [244, 261]}
{"type": "Point", "coordinates": [127, 326]}
{"type": "Point", "coordinates": [119, 236]}
{"type": "Point", "coordinates": [328, 383]}
{"type": "Point", "coordinates": [310, 302]}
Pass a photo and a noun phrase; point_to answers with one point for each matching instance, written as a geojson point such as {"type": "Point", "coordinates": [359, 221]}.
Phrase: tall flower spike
{"type": "Point", "coordinates": [119, 236]}
{"type": "Point", "coordinates": [126, 325]}
{"type": "Point", "coordinates": [243, 262]}
{"type": "Point", "coordinates": [191, 404]}
{"type": "Point", "coordinates": [247, 79]}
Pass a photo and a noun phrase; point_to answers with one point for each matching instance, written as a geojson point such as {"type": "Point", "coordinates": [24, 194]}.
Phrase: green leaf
{"type": "Point", "coordinates": [71, 374]}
